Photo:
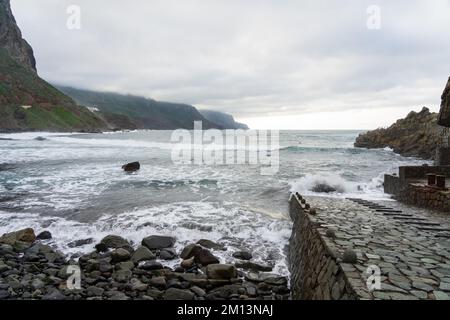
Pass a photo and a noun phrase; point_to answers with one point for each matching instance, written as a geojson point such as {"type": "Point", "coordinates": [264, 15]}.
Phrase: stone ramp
{"type": "Point", "coordinates": [410, 247]}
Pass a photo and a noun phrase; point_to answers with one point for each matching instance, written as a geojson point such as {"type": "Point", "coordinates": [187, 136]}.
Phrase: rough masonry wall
{"type": "Point", "coordinates": [425, 197]}
{"type": "Point", "coordinates": [315, 272]}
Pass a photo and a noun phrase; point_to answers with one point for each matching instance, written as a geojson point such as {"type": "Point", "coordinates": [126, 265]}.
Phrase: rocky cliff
{"type": "Point", "coordinates": [26, 101]}
{"type": "Point", "coordinates": [11, 38]}
{"type": "Point", "coordinates": [416, 135]}
{"type": "Point", "coordinates": [147, 113]}
{"type": "Point", "coordinates": [444, 114]}
{"type": "Point", "coordinates": [223, 119]}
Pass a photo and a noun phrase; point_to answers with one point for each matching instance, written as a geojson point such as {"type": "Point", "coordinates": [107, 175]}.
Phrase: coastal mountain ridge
{"type": "Point", "coordinates": [29, 103]}
{"type": "Point", "coordinates": [145, 113]}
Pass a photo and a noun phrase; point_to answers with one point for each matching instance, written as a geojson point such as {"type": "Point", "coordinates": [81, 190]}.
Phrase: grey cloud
{"type": "Point", "coordinates": [251, 58]}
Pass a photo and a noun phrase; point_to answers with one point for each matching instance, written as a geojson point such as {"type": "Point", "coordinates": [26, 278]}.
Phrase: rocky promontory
{"type": "Point", "coordinates": [120, 270]}
{"type": "Point", "coordinates": [417, 135]}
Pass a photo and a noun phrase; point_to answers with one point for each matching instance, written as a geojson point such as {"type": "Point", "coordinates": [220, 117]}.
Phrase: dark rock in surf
{"type": "Point", "coordinates": [323, 188]}
{"type": "Point", "coordinates": [211, 245]}
{"type": "Point", "coordinates": [243, 255]}
{"type": "Point", "coordinates": [44, 235]}
{"type": "Point", "coordinates": [131, 167]}
{"type": "Point", "coordinates": [253, 266]}
{"type": "Point", "coordinates": [80, 243]}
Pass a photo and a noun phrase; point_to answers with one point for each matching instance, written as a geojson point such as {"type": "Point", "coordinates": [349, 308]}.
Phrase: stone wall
{"type": "Point", "coordinates": [405, 187]}
{"type": "Point", "coordinates": [315, 271]}
{"type": "Point", "coordinates": [419, 172]}
{"type": "Point", "coordinates": [443, 156]}
{"type": "Point", "coordinates": [392, 184]}
{"type": "Point", "coordinates": [426, 197]}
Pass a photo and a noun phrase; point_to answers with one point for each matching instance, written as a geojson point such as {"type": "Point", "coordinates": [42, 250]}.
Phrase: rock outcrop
{"type": "Point", "coordinates": [223, 119]}
{"type": "Point", "coordinates": [11, 38]}
{"type": "Point", "coordinates": [444, 114]}
{"type": "Point", "coordinates": [417, 135]}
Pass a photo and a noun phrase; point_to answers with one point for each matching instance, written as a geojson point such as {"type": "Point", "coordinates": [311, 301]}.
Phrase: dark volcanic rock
{"type": "Point", "coordinates": [416, 135]}
{"type": "Point", "coordinates": [178, 294]}
{"type": "Point", "coordinates": [142, 254]}
{"type": "Point", "coordinates": [190, 251]}
{"type": "Point", "coordinates": [243, 255]}
{"type": "Point", "coordinates": [131, 167]}
{"type": "Point", "coordinates": [205, 257]}
{"type": "Point", "coordinates": [211, 245]}
{"type": "Point", "coordinates": [152, 265]}
{"type": "Point", "coordinates": [114, 242]}
{"type": "Point", "coordinates": [221, 271]}
{"type": "Point", "coordinates": [168, 254]}
{"type": "Point", "coordinates": [253, 266]}
{"type": "Point", "coordinates": [323, 188]}
{"type": "Point", "coordinates": [25, 235]}
{"type": "Point", "coordinates": [120, 255]}
{"type": "Point", "coordinates": [158, 242]}
{"type": "Point", "coordinates": [80, 243]}
{"type": "Point", "coordinates": [44, 235]}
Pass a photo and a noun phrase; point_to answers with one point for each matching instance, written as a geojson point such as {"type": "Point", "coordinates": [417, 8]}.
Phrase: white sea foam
{"type": "Point", "coordinates": [187, 221]}
{"type": "Point", "coordinates": [344, 188]}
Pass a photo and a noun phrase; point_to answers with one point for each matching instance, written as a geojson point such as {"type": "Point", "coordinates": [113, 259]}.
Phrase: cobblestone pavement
{"type": "Point", "coordinates": [410, 246]}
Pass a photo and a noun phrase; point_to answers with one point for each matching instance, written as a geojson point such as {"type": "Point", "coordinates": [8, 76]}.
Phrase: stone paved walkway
{"type": "Point", "coordinates": [411, 246]}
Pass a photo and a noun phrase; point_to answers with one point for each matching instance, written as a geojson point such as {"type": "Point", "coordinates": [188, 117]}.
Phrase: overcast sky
{"type": "Point", "coordinates": [272, 64]}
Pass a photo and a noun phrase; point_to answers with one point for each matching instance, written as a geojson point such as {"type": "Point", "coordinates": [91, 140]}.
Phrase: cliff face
{"type": "Point", "coordinates": [146, 113]}
{"type": "Point", "coordinates": [444, 114]}
{"type": "Point", "coordinates": [11, 38]}
{"type": "Point", "coordinates": [417, 135]}
{"type": "Point", "coordinates": [225, 120]}
{"type": "Point", "coordinates": [26, 101]}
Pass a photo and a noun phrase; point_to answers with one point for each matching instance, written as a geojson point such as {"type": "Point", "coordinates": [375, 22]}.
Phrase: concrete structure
{"type": "Point", "coordinates": [357, 249]}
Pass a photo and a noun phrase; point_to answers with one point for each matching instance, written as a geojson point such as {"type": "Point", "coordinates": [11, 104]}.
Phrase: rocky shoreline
{"type": "Point", "coordinates": [120, 270]}
{"type": "Point", "coordinates": [417, 135]}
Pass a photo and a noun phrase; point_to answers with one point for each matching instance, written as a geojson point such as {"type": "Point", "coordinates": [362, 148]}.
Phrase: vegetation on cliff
{"type": "Point", "coordinates": [147, 113]}
{"type": "Point", "coordinates": [29, 103]}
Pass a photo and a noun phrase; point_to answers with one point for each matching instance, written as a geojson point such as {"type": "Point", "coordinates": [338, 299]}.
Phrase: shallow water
{"type": "Point", "coordinates": [73, 185]}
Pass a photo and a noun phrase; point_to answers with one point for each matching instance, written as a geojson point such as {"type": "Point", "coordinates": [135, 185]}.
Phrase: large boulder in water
{"type": "Point", "coordinates": [323, 188]}
{"type": "Point", "coordinates": [131, 167]}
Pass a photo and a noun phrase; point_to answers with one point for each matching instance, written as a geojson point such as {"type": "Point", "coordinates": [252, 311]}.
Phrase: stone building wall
{"type": "Point", "coordinates": [315, 270]}
{"type": "Point", "coordinates": [425, 197]}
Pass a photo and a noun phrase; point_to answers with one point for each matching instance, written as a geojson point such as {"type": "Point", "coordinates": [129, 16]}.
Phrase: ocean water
{"type": "Point", "coordinates": [73, 186]}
